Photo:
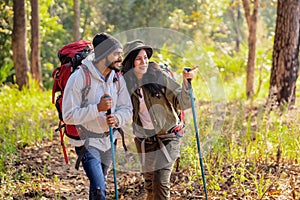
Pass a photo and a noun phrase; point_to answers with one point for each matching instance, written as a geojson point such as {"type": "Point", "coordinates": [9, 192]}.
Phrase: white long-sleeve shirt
{"type": "Point", "coordinates": [88, 116]}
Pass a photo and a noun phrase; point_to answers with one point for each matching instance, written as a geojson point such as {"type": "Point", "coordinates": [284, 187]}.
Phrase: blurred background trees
{"type": "Point", "coordinates": [238, 34]}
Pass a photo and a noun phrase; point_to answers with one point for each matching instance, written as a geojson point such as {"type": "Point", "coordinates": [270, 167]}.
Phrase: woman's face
{"type": "Point", "coordinates": [140, 64]}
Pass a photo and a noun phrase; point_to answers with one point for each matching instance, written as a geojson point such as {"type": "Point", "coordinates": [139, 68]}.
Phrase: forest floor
{"type": "Point", "coordinates": [54, 179]}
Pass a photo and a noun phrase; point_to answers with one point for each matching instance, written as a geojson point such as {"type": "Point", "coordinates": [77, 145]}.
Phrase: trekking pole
{"type": "Point", "coordinates": [113, 155]}
{"type": "Point", "coordinates": [197, 135]}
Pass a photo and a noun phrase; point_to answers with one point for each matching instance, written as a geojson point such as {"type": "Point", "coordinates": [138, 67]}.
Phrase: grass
{"type": "Point", "coordinates": [247, 151]}
{"type": "Point", "coordinates": [27, 116]}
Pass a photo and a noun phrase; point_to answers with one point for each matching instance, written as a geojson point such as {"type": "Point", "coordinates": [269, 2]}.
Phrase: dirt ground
{"type": "Point", "coordinates": [54, 179]}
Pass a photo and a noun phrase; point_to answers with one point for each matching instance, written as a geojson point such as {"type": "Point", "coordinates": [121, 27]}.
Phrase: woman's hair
{"type": "Point", "coordinates": [128, 63]}
{"type": "Point", "coordinates": [152, 80]}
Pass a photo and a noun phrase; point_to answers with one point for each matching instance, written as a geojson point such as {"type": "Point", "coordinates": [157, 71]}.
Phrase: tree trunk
{"type": "Point", "coordinates": [238, 24]}
{"type": "Point", "coordinates": [236, 18]}
{"type": "Point", "coordinates": [285, 61]}
{"type": "Point", "coordinates": [36, 70]}
{"type": "Point", "coordinates": [19, 37]}
{"type": "Point", "coordinates": [252, 26]}
{"type": "Point", "coordinates": [76, 25]}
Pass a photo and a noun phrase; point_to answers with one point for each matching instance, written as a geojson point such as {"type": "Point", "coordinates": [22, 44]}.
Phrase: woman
{"type": "Point", "coordinates": [155, 98]}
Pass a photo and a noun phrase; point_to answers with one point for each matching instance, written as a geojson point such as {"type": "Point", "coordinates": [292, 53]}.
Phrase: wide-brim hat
{"type": "Point", "coordinates": [136, 45]}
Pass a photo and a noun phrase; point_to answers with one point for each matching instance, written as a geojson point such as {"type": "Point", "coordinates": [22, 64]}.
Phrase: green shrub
{"type": "Point", "coordinates": [27, 117]}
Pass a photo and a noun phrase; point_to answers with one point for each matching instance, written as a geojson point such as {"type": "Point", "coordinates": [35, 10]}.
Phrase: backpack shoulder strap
{"type": "Point", "coordinates": [117, 80]}
{"type": "Point", "coordinates": [86, 89]}
{"type": "Point", "coordinates": [87, 75]}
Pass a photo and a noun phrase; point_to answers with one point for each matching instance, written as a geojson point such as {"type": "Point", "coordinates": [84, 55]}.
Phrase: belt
{"type": "Point", "coordinates": [84, 133]}
{"type": "Point", "coordinates": [82, 152]}
{"type": "Point", "coordinates": [160, 143]}
{"type": "Point", "coordinates": [161, 146]}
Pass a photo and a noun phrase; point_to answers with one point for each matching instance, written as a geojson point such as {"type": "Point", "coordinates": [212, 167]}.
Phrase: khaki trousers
{"type": "Point", "coordinates": [157, 168]}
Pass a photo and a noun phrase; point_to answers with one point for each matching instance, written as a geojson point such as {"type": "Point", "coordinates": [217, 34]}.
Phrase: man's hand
{"type": "Point", "coordinates": [105, 103]}
{"type": "Point", "coordinates": [112, 120]}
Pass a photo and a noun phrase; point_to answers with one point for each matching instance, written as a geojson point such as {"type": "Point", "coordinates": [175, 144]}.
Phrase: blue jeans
{"type": "Point", "coordinates": [96, 164]}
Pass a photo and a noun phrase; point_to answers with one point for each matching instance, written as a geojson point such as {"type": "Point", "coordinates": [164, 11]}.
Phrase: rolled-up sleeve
{"type": "Point", "coordinates": [177, 94]}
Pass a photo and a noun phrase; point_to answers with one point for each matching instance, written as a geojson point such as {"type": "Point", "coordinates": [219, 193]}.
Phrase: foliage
{"type": "Point", "coordinates": [53, 37]}
{"type": "Point", "coordinates": [213, 23]}
{"type": "Point", "coordinates": [268, 15]}
{"type": "Point", "coordinates": [5, 31]}
{"type": "Point", "coordinates": [26, 117]}
{"type": "Point", "coordinates": [232, 70]}
{"type": "Point", "coordinates": [5, 71]}
{"type": "Point", "coordinates": [248, 150]}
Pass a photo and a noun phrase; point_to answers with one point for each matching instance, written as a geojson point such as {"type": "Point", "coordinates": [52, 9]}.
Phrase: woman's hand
{"type": "Point", "coordinates": [188, 75]}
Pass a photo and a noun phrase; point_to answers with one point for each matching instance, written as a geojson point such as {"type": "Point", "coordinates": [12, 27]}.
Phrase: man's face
{"type": "Point", "coordinates": [114, 60]}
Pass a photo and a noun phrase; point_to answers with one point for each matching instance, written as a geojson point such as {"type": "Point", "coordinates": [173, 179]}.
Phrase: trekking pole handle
{"type": "Point", "coordinates": [189, 80]}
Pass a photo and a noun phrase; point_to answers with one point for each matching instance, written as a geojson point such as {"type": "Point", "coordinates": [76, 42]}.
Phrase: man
{"type": "Point", "coordinates": [87, 110]}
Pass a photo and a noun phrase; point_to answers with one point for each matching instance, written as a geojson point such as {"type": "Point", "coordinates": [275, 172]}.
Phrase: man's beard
{"type": "Point", "coordinates": [111, 65]}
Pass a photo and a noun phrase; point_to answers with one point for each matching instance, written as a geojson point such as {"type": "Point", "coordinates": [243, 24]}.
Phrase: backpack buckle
{"type": "Point", "coordinates": [178, 130]}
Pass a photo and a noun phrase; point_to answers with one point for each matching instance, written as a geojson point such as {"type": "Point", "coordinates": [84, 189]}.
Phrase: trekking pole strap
{"type": "Point", "coordinates": [62, 143]}
{"type": "Point", "coordinates": [123, 138]}
{"type": "Point", "coordinates": [82, 152]}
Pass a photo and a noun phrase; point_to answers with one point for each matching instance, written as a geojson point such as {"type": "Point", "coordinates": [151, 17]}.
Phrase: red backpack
{"type": "Point", "coordinates": [70, 57]}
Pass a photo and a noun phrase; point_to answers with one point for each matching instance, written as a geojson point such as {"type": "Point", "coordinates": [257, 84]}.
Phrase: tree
{"type": "Point", "coordinates": [19, 37]}
{"type": "Point", "coordinates": [236, 20]}
{"type": "Point", "coordinates": [285, 61]}
{"type": "Point", "coordinates": [36, 70]}
{"type": "Point", "coordinates": [76, 25]}
{"type": "Point", "coordinates": [252, 26]}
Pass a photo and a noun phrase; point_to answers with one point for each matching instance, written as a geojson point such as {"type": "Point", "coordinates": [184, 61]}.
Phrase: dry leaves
{"type": "Point", "coordinates": [56, 180]}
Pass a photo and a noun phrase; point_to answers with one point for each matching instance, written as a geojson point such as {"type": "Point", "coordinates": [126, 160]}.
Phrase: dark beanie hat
{"type": "Point", "coordinates": [104, 44]}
